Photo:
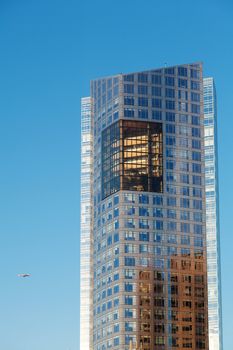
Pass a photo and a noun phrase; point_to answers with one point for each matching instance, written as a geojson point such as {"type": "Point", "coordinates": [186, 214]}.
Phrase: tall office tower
{"type": "Point", "coordinates": [212, 216]}
{"type": "Point", "coordinates": [148, 230]}
{"type": "Point", "coordinates": [86, 268]}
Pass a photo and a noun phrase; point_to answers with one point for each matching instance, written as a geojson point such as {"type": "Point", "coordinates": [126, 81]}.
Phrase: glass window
{"type": "Point", "coordinates": [116, 341]}
{"type": "Point", "coordinates": [185, 240]}
{"type": "Point", "coordinates": [142, 78]}
{"type": "Point", "coordinates": [158, 200]}
{"type": "Point", "coordinates": [143, 248]}
{"type": "Point", "coordinates": [142, 151]}
{"type": "Point", "coordinates": [129, 112]}
{"type": "Point", "coordinates": [197, 204]}
{"type": "Point", "coordinates": [116, 237]}
{"type": "Point", "coordinates": [196, 156]}
{"type": "Point", "coordinates": [144, 223]}
{"type": "Point", "coordinates": [157, 237]}
{"type": "Point", "coordinates": [157, 115]}
{"type": "Point", "coordinates": [171, 213]}
{"type": "Point", "coordinates": [158, 225]}
{"type": "Point", "coordinates": [195, 74]}
{"type": "Point", "coordinates": [129, 100]}
{"type": "Point", "coordinates": [182, 71]}
{"type": "Point", "coordinates": [128, 88]}
{"type": "Point", "coordinates": [184, 215]}
{"type": "Point", "coordinates": [170, 164]}
{"type": "Point", "coordinates": [158, 212]}
{"type": "Point", "coordinates": [130, 274]}
{"type": "Point", "coordinates": [129, 198]}
{"type": "Point", "coordinates": [143, 199]}
{"type": "Point", "coordinates": [196, 180]}
{"type": "Point", "coordinates": [184, 191]}
{"type": "Point", "coordinates": [143, 113]}
{"type": "Point", "coordinates": [169, 81]}
{"type": "Point", "coordinates": [170, 141]}
{"type": "Point", "coordinates": [184, 202]}
{"type": "Point", "coordinates": [143, 89]}
{"type": "Point", "coordinates": [196, 144]}
{"type": "Point", "coordinates": [129, 223]}
{"type": "Point", "coordinates": [195, 85]}
{"type": "Point", "coordinates": [169, 70]}
{"type": "Point", "coordinates": [130, 248]}
{"type": "Point", "coordinates": [143, 211]}
{"type": "Point", "coordinates": [130, 236]}
{"type": "Point", "coordinates": [195, 120]}
{"type": "Point", "coordinates": [170, 104]}
{"type": "Point", "coordinates": [156, 91]}
{"type": "Point", "coordinates": [198, 242]}
{"type": "Point", "coordinates": [129, 210]}
{"type": "Point", "coordinates": [183, 118]}
{"type": "Point", "coordinates": [143, 101]}
{"type": "Point", "coordinates": [184, 166]}
{"type": "Point", "coordinates": [128, 287]}
{"type": "Point", "coordinates": [129, 261]}
{"type": "Point", "coordinates": [184, 178]}
{"type": "Point", "coordinates": [183, 83]}
{"type": "Point", "coordinates": [183, 106]}
{"type": "Point", "coordinates": [196, 167]}
{"type": "Point", "coordinates": [196, 132]}
{"type": "Point", "coordinates": [197, 229]}
{"type": "Point", "coordinates": [156, 103]}
{"type": "Point", "coordinates": [129, 77]}
{"type": "Point", "coordinates": [195, 108]}
{"type": "Point", "coordinates": [170, 93]}
{"type": "Point", "coordinates": [195, 97]}
{"type": "Point", "coordinates": [197, 216]}
{"type": "Point", "coordinates": [170, 128]}
{"type": "Point", "coordinates": [144, 236]}
{"type": "Point", "coordinates": [185, 227]}
{"type": "Point", "coordinates": [171, 201]}
{"type": "Point", "coordinates": [171, 226]}
{"type": "Point", "coordinates": [170, 116]}
{"type": "Point", "coordinates": [156, 79]}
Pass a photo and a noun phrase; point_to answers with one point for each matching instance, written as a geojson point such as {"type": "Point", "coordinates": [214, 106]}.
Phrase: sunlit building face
{"type": "Point", "coordinates": [212, 216]}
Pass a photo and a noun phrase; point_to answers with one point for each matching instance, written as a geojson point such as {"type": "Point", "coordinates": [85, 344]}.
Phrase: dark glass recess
{"type": "Point", "coordinates": [132, 157]}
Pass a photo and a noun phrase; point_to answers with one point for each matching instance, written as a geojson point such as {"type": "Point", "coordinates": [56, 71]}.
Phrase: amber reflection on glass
{"type": "Point", "coordinates": [132, 157]}
{"type": "Point", "coordinates": [174, 304]}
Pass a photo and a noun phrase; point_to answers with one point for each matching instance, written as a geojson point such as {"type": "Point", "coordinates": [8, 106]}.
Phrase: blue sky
{"type": "Point", "coordinates": [49, 50]}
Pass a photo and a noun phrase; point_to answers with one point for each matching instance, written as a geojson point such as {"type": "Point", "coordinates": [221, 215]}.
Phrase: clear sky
{"type": "Point", "coordinates": [49, 50]}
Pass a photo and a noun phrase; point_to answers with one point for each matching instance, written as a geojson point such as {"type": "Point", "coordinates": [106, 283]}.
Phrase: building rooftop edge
{"type": "Point", "coordinates": [147, 70]}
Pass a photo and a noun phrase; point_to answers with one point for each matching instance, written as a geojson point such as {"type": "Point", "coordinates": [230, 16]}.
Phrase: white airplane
{"type": "Point", "coordinates": [24, 275]}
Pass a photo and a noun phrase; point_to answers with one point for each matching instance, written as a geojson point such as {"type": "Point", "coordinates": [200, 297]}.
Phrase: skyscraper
{"type": "Point", "coordinates": [86, 268]}
{"type": "Point", "coordinates": [144, 239]}
{"type": "Point", "coordinates": [212, 216]}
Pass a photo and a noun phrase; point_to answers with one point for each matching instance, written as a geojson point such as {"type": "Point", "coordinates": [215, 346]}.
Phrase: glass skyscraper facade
{"type": "Point", "coordinates": [86, 242]}
{"type": "Point", "coordinates": [143, 228]}
{"type": "Point", "coordinates": [212, 216]}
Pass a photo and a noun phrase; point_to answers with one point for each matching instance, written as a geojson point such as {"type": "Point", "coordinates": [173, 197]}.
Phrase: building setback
{"type": "Point", "coordinates": [143, 229]}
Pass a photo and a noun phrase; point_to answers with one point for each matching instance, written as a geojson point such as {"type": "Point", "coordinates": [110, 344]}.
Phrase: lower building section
{"type": "Point", "coordinates": [150, 283]}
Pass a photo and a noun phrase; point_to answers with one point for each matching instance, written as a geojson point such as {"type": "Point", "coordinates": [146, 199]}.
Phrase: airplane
{"type": "Point", "coordinates": [24, 275]}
